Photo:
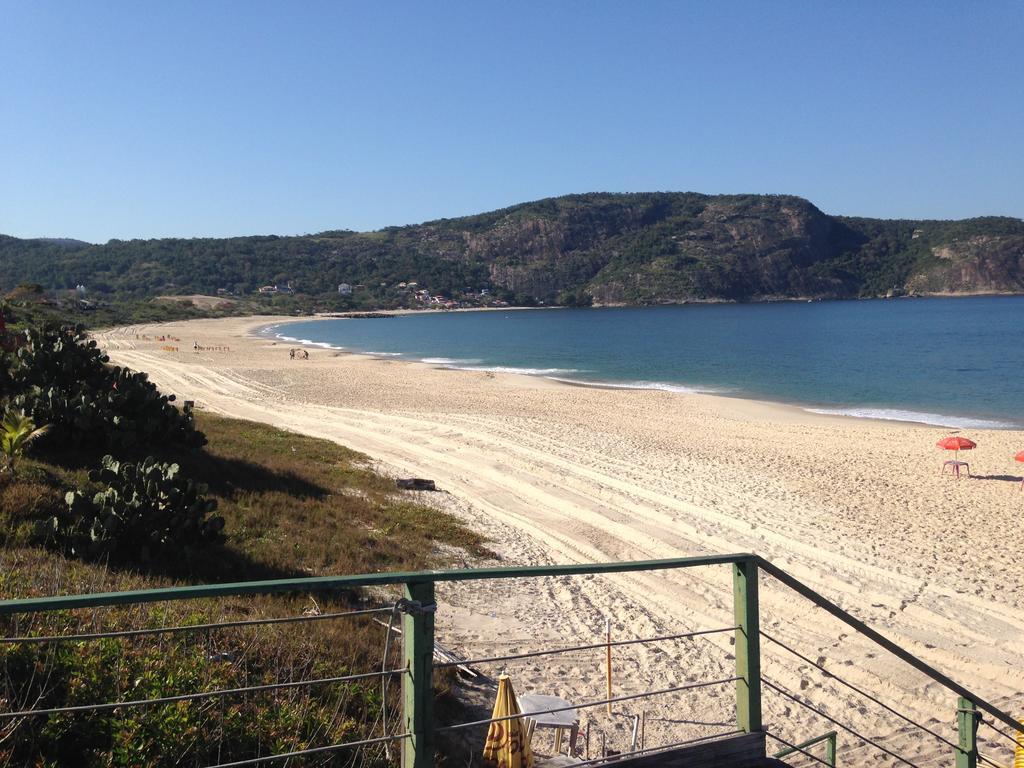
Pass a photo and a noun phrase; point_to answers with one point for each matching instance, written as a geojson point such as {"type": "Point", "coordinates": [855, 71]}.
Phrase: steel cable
{"type": "Point", "coordinates": [849, 730]}
{"type": "Point", "coordinates": [862, 692]}
{"type": "Point", "coordinates": [195, 696]}
{"type": "Point", "coordinates": [189, 627]}
{"type": "Point", "coordinates": [630, 697]}
{"type": "Point", "coordinates": [310, 751]}
{"type": "Point", "coordinates": [571, 649]}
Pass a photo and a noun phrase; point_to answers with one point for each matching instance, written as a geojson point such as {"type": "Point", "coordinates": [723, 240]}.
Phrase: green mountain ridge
{"type": "Point", "coordinates": [636, 248]}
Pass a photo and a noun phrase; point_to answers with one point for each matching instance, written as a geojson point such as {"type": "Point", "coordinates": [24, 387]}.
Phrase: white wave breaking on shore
{"type": "Point", "coordinates": [918, 417]}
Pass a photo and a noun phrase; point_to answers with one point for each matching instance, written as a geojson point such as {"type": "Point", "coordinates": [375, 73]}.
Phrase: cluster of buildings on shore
{"type": "Point", "coordinates": [409, 291]}
{"type": "Point", "coordinates": [467, 298]}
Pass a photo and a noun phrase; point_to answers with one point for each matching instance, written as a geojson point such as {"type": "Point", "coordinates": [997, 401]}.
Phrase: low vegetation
{"type": "Point", "coordinates": [244, 502]}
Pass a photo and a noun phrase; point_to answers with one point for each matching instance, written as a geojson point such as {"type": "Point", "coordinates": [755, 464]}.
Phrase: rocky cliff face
{"type": "Point", "coordinates": [980, 264]}
{"type": "Point", "coordinates": [734, 251]}
{"type": "Point", "coordinates": [672, 247]}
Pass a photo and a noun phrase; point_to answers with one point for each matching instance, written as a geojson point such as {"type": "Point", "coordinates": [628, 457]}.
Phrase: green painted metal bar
{"type": "Point", "coordinates": [341, 583]}
{"type": "Point", "coordinates": [882, 640]}
{"type": "Point", "coordinates": [748, 646]}
{"type": "Point", "coordinates": [967, 729]}
{"type": "Point", "coordinates": [831, 739]}
{"type": "Point", "coordinates": [831, 749]}
{"type": "Point", "coordinates": [418, 684]}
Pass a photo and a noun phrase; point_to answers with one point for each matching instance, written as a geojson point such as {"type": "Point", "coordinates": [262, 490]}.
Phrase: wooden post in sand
{"type": "Point", "coordinates": [608, 659]}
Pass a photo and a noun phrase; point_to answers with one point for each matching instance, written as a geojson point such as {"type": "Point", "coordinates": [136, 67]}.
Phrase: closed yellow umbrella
{"type": "Point", "coordinates": [1018, 751]}
{"type": "Point", "coordinates": [507, 745]}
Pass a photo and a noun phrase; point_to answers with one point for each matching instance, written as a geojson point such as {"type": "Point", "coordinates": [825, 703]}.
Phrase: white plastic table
{"type": "Point", "coordinates": [566, 720]}
{"type": "Point", "coordinates": [955, 467]}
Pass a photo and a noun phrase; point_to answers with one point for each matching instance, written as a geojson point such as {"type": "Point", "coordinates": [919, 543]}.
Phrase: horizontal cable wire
{"type": "Point", "coordinates": [982, 721]}
{"type": "Point", "coordinates": [312, 751]}
{"type": "Point", "coordinates": [660, 748]}
{"type": "Point", "coordinates": [862, 692]}
{"type": "Point", "coordinates": [879, 639]}
{"type": "Point", "coordinates": [794, 747]}
{"type": "Point", "coordinates": [1001, 732]}
{"type": "Point", "coordinates": [630, 697]}
{"type": "Point", "coordinates": [574, 648]}
{"type": "Point", "coordinates": [818, 712]}
{"type": "Point", "coordinates": [191, 627]}
{"type": "Point", "coordinates": [196, 696]}
{"type": "Point", "coordinates": [986, 760]}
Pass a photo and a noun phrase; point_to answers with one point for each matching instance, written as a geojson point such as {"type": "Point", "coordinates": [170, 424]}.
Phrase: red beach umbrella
{"type": "Point", "coordinates": [957, 444]}
{"type": "Point", "coordinates": [1019, 456]}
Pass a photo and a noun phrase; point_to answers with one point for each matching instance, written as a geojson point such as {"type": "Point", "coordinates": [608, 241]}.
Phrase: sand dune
{"type": "Point", "coordinates": [559, 473]}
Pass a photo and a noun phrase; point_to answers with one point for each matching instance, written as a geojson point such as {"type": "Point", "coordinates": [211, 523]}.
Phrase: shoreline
{"type": "Point", "coordinates": [528, 379]}
{"type": "Point", "coordinates": [937, 420]}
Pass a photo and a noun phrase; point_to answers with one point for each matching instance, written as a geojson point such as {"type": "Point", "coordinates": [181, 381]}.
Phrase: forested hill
{"type": "Point", "coordinates": [609, 248]}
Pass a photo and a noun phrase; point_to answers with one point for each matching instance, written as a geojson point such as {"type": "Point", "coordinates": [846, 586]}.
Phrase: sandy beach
{"type": "Point", "coordinates": [556, 473]}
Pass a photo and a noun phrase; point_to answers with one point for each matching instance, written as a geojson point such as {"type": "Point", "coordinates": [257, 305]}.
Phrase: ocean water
{"type": "Point", "coordinates": [955, 362]}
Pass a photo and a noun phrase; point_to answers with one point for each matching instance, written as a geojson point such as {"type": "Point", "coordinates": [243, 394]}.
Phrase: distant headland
{"type": "Point", "coordinates": [598, 248]}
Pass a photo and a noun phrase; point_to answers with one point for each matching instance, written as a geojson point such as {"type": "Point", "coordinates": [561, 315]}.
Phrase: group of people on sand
{"type": "Point", "coordinates": [197, 348]}
{"type": "Point", "coordinates": [147, 337]}
{"type": "Point", "coordinates": [298, 354]}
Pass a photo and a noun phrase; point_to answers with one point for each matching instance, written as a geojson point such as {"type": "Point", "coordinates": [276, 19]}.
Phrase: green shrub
{"type": "Point", "coordinates": [144, 510]}
{"type": "Point", "coordinates": [185, 733]}
{"type": "Point", "coordinates": [60, 378]}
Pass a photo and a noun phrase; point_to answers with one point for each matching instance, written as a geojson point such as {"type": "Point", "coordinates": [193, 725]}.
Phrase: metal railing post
{"type": "Point", "coordinates": [967, 728]}
{"type": "Point", "coordinates": [830, 748]}
{"type": "Point", "coordinates": [748, 646]}
{"type": "Point", "coordinates": [417, 683]}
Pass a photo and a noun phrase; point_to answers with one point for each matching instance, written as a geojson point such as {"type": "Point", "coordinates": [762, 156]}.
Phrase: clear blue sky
{"type": "Point", "coordinates": [150, 119]}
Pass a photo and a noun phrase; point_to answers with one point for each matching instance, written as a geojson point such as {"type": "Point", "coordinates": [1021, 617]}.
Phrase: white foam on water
{"type": "Point", "coordinates": [660, 386]}
{"type": "Point", "coordinates": [919, 417]}
{"type": "Point", "coordinates": [307, 342]}
{"type": "Point", "coordinates": [549, 372]}
{"type": "Point", "coordinates": [450, 361]}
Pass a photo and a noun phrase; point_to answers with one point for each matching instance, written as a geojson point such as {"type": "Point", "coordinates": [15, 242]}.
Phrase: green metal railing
{"type": "Point", "coordinates": [418, 635]}
{"type": "Point", "coordinates": [830, 740]}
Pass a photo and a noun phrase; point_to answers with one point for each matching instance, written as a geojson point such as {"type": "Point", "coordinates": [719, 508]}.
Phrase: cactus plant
{"type": "Point", "coordinates": [62, 378]}
{"type": "Point", "coordinates": [143, 510]}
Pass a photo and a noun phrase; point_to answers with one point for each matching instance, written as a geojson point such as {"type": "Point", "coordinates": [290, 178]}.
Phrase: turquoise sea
{"type": "Point", "coordinates": [956, 362]}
